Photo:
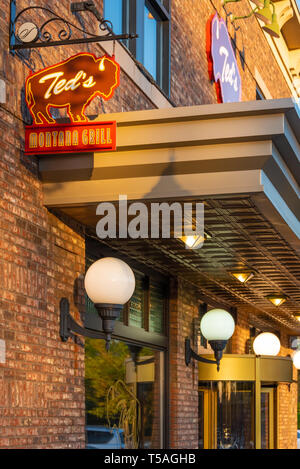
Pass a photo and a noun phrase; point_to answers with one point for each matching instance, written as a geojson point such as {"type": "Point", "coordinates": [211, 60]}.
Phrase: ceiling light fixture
{"type": "Point", "coordinates": [277, 300]}
{"type": "Point", "coordinates": [242, 276]}
{"type": "Point", "coordinates": [192, 242]}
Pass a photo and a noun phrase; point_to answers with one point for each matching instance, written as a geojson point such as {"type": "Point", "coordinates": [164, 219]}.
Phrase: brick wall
{"type": "Point", "coordinates": [42, 381]}
{"type": "Point", "coordinates": [241, 336]}
{"type": "Point", "coordinates": [183, 379]}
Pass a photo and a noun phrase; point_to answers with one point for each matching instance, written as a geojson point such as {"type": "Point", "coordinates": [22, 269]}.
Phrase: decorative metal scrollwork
{"type": "Point", "coordinates": [56, 30]}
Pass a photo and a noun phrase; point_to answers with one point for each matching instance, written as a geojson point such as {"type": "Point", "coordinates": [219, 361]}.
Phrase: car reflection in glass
{"type": "Point", "coordinates": [104, 438]}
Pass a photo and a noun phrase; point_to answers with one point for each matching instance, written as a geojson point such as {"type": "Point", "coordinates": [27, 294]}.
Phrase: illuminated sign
{"type": "Point", "coordinates": [70, 138]}
{"type": "Point", "coordinates": [222, 64]}
{"type": "Point", "coordinates": [71, 84]}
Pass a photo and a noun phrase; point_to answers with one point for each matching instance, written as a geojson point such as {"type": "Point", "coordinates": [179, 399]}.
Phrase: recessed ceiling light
{"type": "Point", "coordinates": [242, 276]}
{"type": "Point", "coordinates": [277, 300]}
{"type": "Point", "coordinates": [193, 241]}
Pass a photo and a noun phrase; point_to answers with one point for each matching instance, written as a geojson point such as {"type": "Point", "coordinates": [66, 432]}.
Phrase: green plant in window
{"type": "Point", "coordinates": [122, 402]}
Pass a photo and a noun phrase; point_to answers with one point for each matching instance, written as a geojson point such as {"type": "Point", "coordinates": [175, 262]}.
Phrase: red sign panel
{"type": "Point", "coordinates": [71, 84]}
{"type": "Point", "coordinates": [70, 138]}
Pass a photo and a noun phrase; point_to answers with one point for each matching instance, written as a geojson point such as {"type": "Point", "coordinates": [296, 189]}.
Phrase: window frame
{"type": "Point", "coordinates": [259, 94]}
{"type": "Point", "coordinates": [133, 22]}
{"type": "Point", "coordinates": [135, 335]}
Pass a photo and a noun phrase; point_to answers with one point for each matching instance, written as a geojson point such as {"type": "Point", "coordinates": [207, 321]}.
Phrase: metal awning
{"type": "Point", "coordinates": [241, 159]}
{"type": "Point", "coordinates": [233, 367]}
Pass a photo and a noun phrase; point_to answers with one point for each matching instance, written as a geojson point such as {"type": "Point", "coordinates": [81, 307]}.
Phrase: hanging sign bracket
{"type": "Point", "coordinates": [51, 29]}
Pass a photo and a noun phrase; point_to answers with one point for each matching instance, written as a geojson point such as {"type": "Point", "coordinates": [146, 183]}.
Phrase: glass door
{"type": "Point", "coordinates": [207, 418]}
{"type": "Point", "coordinates": [227, 415]}
{"type": "Point", "coordinates": [267, 418]}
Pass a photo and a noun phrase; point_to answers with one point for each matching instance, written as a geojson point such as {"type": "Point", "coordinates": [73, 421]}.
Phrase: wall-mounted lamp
{"type": "Point", "coordinates": [262, 12]}
{"type": "Point", "coordinates": [270, 19]}
{"type": "Point", "coordinates": [277, 300]}
{"type": "Point", "coordinates": [296, 359]}
{"type": "Point", "coordinates": [266, 343]}
{"type": "Point", "coordinates": [294, 344]}
{"type": "Point", "coordinates": [217, 326]}
{"type": "Point", "coordinates": [109, 283]}
{"type": "Point", "coordinates": [273, 28]}
{"type": "Point", "coordinates": [243, 277]}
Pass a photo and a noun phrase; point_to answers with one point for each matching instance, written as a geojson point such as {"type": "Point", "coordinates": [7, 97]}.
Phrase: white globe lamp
{"type": "Point", "coordinates": [217, 326]}
{"type": "Point", "coordinates": [296, 359]}
{"type": "Point", "coordinates": [109, 283]}
{"type": "Point", "coordinates": [266, 343]}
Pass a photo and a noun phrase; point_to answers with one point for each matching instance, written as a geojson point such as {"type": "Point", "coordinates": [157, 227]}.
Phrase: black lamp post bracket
{"type": "Point", "coordinates": [217, 346]}
{"type": "Point", "coordinates": [108, 313]}
{"type": "Point", "coordinates": [189, 354]}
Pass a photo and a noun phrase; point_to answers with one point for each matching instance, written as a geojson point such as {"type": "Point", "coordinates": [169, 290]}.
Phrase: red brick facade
{"type": "Point", "coordinates": [42, 402]}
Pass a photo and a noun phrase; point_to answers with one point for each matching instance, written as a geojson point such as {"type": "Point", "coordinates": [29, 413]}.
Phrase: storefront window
{"type": "Point", "coordinates": [123, 396]}
{"type": "Point", "coordinates": [157, 307]}
{"type": "Point", "coordinates": [137, 302]}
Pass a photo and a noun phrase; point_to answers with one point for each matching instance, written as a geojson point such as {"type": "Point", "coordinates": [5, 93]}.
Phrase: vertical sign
{"type": "Point", "coordinates": [222, 64]}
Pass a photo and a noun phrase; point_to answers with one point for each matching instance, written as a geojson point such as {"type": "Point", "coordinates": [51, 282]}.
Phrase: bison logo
{"type": "Point", "coordinates": [223, 68]}
{"type": "Point", "coordinates": [71, 84]}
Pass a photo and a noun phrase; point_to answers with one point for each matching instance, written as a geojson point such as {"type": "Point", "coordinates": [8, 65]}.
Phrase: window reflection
{"type": "Point", "coordinates": [137, 303]}
{"type": "Point", "coordinates": [235, 427]}
{"type": "Point", "coordinates": [113, 11]}
{"type": "Point", "coordinates": [123, 398]}
{"type": "Point", "coordinates": [151, 21]}
{"type": "Point", "coordinates": [265, 409]}
{"type": "Point", "coordinates": [226, 415]}
{"type": "Point", "coordinates": [150, 42]}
